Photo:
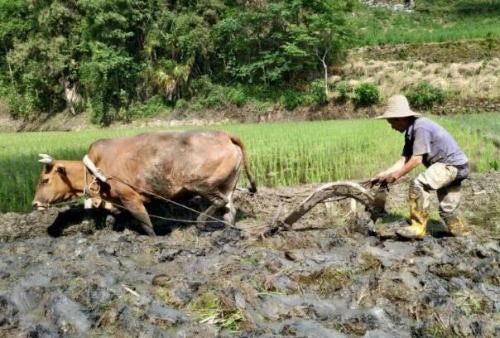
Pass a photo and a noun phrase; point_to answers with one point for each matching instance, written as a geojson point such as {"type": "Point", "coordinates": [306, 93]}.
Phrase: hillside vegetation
{"type": "Point", "coordinates": [122, 60]}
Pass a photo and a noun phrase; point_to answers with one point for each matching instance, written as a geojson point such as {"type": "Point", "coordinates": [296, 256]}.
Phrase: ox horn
{"type": "Point", "coordinates": [93, 169]}
{"type": "Point", "coordinates": [45, 159]}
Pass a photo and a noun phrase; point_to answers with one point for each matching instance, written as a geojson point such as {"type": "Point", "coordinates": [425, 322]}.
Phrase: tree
{"type": "Point", "coordinates": [115, 54]}
{"type": "Point", "coordinates": [283, 40]}
{"type": "Point", "coordinates": [321, 32]}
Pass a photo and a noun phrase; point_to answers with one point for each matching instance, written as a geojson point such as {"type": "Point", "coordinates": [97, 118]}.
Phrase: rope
{"type": "Point", "coordinates": [87, 193]}
{"type": "Point", "coordinates": [169, 201]}
{"type": "Point", "coordinates": [214, 219]}
{"type": "Point", "coordinates": [121, 206]}
{"type": "Point", "coordinates": [88, 190]}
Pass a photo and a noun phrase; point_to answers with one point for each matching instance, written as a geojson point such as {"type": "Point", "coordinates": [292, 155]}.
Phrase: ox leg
{"type": "Point", "coordinates": [209, 212]}
{"type": "Point", "coordinates": [218, 201]}
{"type": "Point", "coordinates": [230, 215]}
{"type": "Point", "coordinates": [136, 207]}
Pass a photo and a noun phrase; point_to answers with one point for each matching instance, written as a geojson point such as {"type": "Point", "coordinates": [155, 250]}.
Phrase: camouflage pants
{"type": "Point", "coordinates": [439, 177]}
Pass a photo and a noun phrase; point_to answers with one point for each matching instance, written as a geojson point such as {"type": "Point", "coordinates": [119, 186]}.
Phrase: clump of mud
{"type": "Point", "coordinates": [64, 273]}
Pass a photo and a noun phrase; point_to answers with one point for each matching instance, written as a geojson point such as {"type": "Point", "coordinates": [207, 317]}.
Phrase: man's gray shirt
{"type": "Point", "coordinates": [427, 138]}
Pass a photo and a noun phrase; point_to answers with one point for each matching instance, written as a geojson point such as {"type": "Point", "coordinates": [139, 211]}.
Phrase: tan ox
{"type": "Point", "coordinates": [131, 171]}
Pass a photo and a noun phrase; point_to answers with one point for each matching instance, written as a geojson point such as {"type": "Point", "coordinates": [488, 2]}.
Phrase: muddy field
{"type": "Point", "coordinates": [65, 274]}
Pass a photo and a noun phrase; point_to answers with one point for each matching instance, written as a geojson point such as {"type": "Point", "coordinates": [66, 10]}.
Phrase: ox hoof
{"type": "Point", "coordinates": [149, 231]}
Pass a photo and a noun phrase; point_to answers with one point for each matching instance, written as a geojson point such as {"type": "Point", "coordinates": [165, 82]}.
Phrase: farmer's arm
{"type": "Point", "coordinates": [396, 166]}
{"type": "Point", "coordinates": [380, 177]}
{"type": "Point", "coordinates": [413, 155]}
{"type": "Point", "coordinates": [421, 146]}
{"type": "Point", "coordinates": [413, 162]}
{"type": "Point", "coordinates": [399, 169]}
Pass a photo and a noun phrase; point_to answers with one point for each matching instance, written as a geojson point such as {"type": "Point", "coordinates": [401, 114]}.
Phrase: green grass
{"type": "Point", "coordinates": [208, 307]}
{"type": "Point", "coordinates": [428, 23]}
{"type": "Point", "coordinates": [486, 124]}
{"type": "Point", "coordinates": [280, 153]}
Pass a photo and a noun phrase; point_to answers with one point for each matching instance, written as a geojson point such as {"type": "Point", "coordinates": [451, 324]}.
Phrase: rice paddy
{"type": "Point", "coordinates": [280, 153]}
{"type": "Point", "coordinates": [382, 26]}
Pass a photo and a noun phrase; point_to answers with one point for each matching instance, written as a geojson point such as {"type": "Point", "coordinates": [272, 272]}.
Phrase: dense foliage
{"type": "Point", "coordinates": [424, 95]}
{"type": "Point", "coordinates": [117, 58]}
{"type": "Point", "coordinates": [366, 94]}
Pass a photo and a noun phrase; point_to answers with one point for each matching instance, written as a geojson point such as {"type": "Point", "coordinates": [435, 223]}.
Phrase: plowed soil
{"type": "Point", "coordinates": [72, 273]}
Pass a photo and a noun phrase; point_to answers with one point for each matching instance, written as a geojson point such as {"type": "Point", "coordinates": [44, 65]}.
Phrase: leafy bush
{"type": "Point", "coordinates": [366, 94]}
{"type": "Point", "coordinates": [196, 106]}
{"type": "Point", "coordinates": [181, 104]}
{"type": "Point", "coordinates": [477, 7]}
{"type": "Point", "coordinates": [343, 89]}
{"type": "Point", "coordinates": [208, 94]}
{"type": "Point", "coordinates": [291, 99]}
{"type": "Point", "coordinates": [317, 91]}
{"type": "Point", "coordinates": [149, 108]}
{"type": "Point", "coordinates": [216, 97]}
{"type": "Point", "coordinates": [260, 107]}
{"type": "Point", "coordinates": [237, 96]}
{"type": "Point", "coordinates": [201, 86]}
{"type": "Point", "coordinates": [424, 95]}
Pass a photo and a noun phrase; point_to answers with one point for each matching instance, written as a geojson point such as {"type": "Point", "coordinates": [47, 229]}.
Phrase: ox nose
{"type": "Point", "coordinates": [39, 205]}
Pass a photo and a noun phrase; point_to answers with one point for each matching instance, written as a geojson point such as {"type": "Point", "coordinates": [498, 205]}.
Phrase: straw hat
{"type": "Point", "coordinates": [397, 107]}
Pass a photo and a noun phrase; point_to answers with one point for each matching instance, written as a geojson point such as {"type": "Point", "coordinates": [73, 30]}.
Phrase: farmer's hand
{"type": "Point", "coordinates": [384, 178]}
{"type": "Point", "coordinates": [378, 179]}
{"type": "Point", "coordinates": [391, 178]}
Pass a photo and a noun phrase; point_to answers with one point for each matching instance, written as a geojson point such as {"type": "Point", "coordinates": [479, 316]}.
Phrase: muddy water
{"type": "Point", "coordinates": [65, 275]}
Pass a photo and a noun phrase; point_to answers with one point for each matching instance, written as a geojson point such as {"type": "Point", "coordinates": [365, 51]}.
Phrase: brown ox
{"type": "Point", "coordinates": [138, 168]}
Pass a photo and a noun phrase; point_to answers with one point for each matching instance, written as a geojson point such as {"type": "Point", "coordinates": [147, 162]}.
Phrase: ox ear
{"type": "Point", "coordinates": [60, 169]}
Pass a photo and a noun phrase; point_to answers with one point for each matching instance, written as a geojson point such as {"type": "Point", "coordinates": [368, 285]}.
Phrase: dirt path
{"type": "Point", "coordinates": [95, 278]}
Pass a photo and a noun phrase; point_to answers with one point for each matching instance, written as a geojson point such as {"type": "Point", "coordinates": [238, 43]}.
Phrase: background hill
{"type": "Point", "coordinates": [251, 61]}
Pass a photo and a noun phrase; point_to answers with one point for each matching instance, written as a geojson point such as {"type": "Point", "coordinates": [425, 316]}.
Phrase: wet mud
{"type": "Point", "coordinates": [74, 273]}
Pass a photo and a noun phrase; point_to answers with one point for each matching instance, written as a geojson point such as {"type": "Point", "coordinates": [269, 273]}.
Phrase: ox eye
{"type": "Point", "coordinates": [45, 181]}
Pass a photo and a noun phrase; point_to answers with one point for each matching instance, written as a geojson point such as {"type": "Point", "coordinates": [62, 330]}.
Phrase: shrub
{"type": "Point", "coordinates": [424, 95]}
{"type": "Point", "coordinates": [216, 98]}
{"type": "Point", "coordinates": [317, 92]}
{"type": "Point", "coordinates": [207, 94]}
{"type": "Point", "coordinates": [260, 106]}
{"type": "Point", "coordinates": [237, 96]}
{"type": "Point", "coordinates": [291, 99]}
{"type": "Point", "coordinates": [201, 86]}
{"type": "Point", "coordinates": [343, 89]}
{"type": "Point", "coordinates": [19, 105]}
{"type": "Point", "coordinates": [149, 108]}
{"type": "Point", "coordinates": [181, 104]}
{"type": "Point", "coordinates": [366, 94]}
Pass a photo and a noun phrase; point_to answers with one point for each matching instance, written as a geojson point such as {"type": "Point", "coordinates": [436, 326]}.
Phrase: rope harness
{"type": "Point", "coordinates": [93, 189]}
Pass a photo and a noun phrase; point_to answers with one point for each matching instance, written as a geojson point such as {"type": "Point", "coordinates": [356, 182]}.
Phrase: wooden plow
{"type": "Point", "coordinates": [374, 202]}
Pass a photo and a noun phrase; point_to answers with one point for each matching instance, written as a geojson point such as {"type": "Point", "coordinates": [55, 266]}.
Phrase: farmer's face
{"type": "Point", "coordinates": [399, 124]}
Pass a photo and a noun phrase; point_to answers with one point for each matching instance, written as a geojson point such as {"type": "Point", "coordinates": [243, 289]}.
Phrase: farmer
{"type": "Point", "coordinates": [428, 143]}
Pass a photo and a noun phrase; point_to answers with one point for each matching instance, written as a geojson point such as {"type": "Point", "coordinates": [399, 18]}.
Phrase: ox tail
{"type": "Point", "coordinates": [253, 186]}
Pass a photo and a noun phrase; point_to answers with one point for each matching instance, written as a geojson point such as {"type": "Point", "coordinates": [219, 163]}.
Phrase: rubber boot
{"type": "Point", "coordinates": [418, 217]}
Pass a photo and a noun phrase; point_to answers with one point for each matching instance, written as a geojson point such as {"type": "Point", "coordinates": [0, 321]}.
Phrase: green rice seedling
{"type": "Point", "coordinates": [284, 153]}
{"type": "Point", "coordinates": [381, 26]}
